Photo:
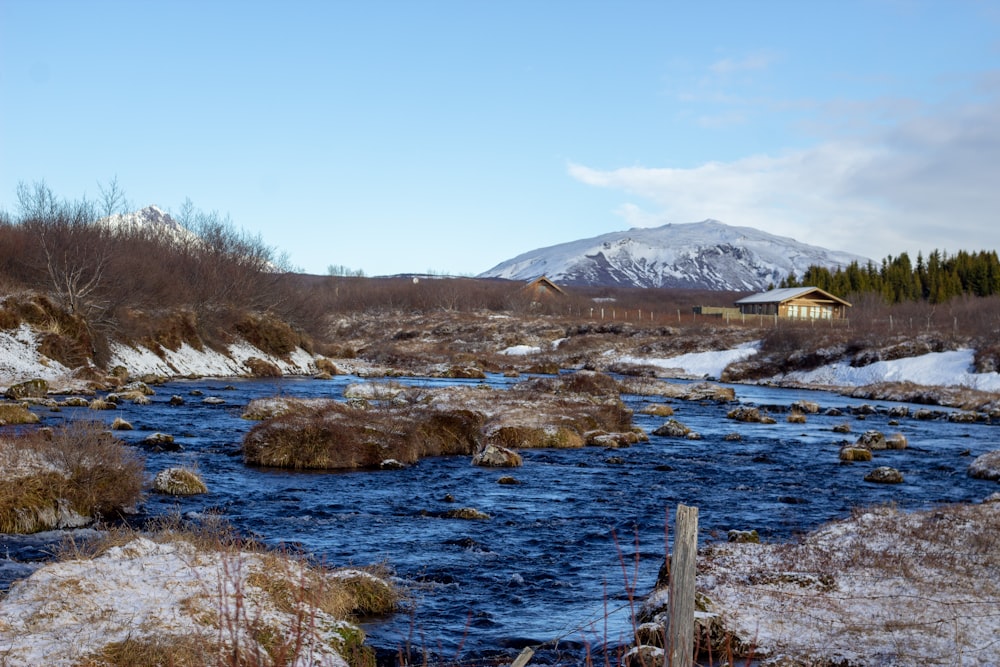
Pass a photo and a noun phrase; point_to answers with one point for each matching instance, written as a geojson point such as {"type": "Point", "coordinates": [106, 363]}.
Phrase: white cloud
{"type": "Point", "coordinates": [929, 182]}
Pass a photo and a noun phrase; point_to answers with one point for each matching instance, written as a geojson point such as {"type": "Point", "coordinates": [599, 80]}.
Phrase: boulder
{"type": "Point", "coordinates": [873, 440]}
{"type": "Point", "coordinates": [161, 442]}
{"type": "Point", "coordinates": [467, 513]}
{"type": "Point", "coordinates": [658, 410]}
{"type": "Point", "coordinates": [807, 407]}
{"type": "Point", "coordinates": [884, 475]}
{"type": "Point", "coordinates": [613, 440]}
{"type": "Point", "coordinates": [120, 424]}
{"type": "Point", "coordinates": [179, 482]}
{"type": "Point", "coordinates": [75, 402]}
{"type": "Point", "coordinates": [896, 441]}
{"type": "Point", "coordinates": [464, 373]}
{"type": "Point", "coordinates": [743, 536]}
{"type": "Point", "coordinates": [853, 453]}
{"type": "Point", "coordinates": [140, 387]}
{"type": "Point", "coordinates": [986, 466]}
{"type": "Point", "coordinates": [495, 456]}
{"type": "Point", "coordinates": [36, 388]}
{"type": "Point", "coordinates": [673, 428]}
{"type": "Point", "coordinates": [748, 414]}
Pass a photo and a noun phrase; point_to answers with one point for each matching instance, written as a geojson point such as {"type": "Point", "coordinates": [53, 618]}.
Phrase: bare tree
{"type": "Point", "coordinates": [37, 201]}
{"type": "Point", "coordinates": [74, 251]}
{"type": "Point", "coordinates": [112, 198]}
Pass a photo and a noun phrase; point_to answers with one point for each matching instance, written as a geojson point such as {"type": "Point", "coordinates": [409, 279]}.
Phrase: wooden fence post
{"type": "Point", "coordinates": [680, 633]}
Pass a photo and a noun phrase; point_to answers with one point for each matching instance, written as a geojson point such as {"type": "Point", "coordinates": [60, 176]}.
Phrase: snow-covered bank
{"type": "Point", "coordinates": [188, 361]}
{"type": "Point", "coordinates": [173, 595]}
{"type": "Point", "coordinates": [695, 364]}
{"type": "Point", "coordinates": [885, 587]}
{"type": "Point", "coordinates": [20, 360]}
{"type": "Point", "coordinates": [935, 369]}
{"type": "Point", "coordinates": [939, 369]}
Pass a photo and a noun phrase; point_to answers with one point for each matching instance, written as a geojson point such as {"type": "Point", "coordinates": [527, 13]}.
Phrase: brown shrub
{"type": "Point", "coordinates": [86, 467]}
{"type": "Point", "coordinates": [261, 368]}
{"type": "Point", "coordinates": [15, 413]}
{"type": "Point", "coordinates": [338, 436]}
{"type": "Point", "coordinates": [271, 335]}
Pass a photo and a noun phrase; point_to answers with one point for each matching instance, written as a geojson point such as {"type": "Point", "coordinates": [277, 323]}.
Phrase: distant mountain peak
{"type": "Point", "coordinates": [704, 255]}
{"type": "Point", "coordinates": [151, 219]}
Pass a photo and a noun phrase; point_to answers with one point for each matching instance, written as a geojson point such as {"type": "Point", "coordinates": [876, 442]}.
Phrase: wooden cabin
{"type": "Point", "coordinates": [806, 303]}
{"type": "Point", "coordinates": [541, 288]}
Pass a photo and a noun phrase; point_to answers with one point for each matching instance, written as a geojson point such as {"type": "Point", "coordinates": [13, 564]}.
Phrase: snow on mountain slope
{"type": "Point", "coordinates": [149, 219]}
{"type": "Point", "coordinates": [706, 255]}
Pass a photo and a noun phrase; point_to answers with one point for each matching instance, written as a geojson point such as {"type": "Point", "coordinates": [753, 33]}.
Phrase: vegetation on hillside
{"type": "Point", "coordinates": [938, 279]}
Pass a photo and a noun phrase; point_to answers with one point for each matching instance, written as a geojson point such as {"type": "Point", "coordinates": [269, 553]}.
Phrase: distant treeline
{"type": "Point", "coordinates": [935, 280]}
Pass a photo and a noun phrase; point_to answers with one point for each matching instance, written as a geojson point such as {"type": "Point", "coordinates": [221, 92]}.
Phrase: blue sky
{"type": "Point", "coordinates": [398, 137]}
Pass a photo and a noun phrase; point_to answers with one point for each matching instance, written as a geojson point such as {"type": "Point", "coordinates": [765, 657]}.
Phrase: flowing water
{"type": "Point", "coordinates": [563, 546]}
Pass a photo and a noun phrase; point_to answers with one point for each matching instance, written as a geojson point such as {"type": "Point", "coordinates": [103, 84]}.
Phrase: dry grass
{"type": "Point", "coordinates": [338, 436]}
{"type": "Point", "coordinates": [389, 422]}
{"type": "Point", "coordinates": [78, 466]}
{"type": "Point", "coordinates": [312, 603]}
{"type": "Point", "coordinates": [884, 587]}
{"type": "Point", "coordinates": [15, 413]}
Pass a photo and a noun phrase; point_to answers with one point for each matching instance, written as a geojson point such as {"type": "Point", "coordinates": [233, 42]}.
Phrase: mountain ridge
{"type": "Point", "coordinates": [701, 255]}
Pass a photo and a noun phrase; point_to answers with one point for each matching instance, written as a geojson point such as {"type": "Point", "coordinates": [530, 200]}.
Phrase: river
{"type": "Point", "coordinates": [562, 548]}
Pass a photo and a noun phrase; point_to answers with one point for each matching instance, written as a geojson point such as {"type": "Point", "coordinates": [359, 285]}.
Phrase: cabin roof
{"type": "Point", "coordinates": [783, 294]}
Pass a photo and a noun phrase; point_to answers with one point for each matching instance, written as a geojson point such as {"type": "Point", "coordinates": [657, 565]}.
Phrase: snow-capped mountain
{"type": "Point", "coordinates": [704, 255]}
{"type": "Point", "coordinates": [150, 219]}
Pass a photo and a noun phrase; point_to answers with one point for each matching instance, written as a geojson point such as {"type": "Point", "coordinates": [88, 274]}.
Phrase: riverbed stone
{"type": "Point", "coordinates": [120, 424]}
{"type": "Point", "coordinates": [807, 407]}
{"type": "Point", "coordinates": [873, 440]}
{"type": "Point", "coordinates": [853, 453]}
{"type": "Point", "coordinates": [750, 414]}
{"type": "Point", "coordinates": [672, 429]}
{"type": "Point", "coordinates": [743, 536]}
{"type": "Point", "coordinates": [986, 466]}
{"type": "Point", "coordinates": [179, 482]}
{"type": "Point", "coordinates": [896, 441]}
{"type": "Point", "coordinates": [467, 514]}
{"type": "Point", "coordinates": [161, 442]}
{"type": "Point", "coordinates": [36, 388]}
{"type": "Point", "coordinates": [884, 475]}
{"type": "Point", "coordinates": [495, 456]}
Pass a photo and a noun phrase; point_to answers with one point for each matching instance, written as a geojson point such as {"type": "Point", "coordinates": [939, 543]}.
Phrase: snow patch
{"type": "Point", "coordinates": [520, 350]}
{"type": "Point", "coordinates": [696, 364]}
{"type": "Point", "coordinates": [953, 368]}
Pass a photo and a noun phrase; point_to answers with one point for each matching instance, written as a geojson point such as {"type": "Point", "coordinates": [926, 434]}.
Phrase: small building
{"type": "Point", "coordinates": [808, 303]}
{"type": "Point", "coordinates": [541, 287]}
